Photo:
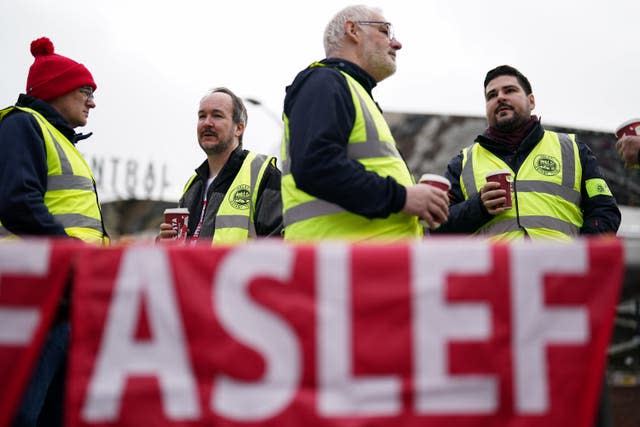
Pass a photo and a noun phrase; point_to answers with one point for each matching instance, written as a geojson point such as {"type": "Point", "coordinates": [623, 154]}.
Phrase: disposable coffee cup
{"type": "Point", "coordinates": [179, 220]}
{"type": "Point", "coordinates": [630, 127]}
{"type": "Point", "coordinates": [502, 177]}
{"type": "Point", "coordinates": [437, 181]}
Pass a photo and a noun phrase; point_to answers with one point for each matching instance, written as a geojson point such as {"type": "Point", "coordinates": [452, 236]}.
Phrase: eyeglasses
{"type": "Point", "coordinates": [87, 92]}
{"type": "Point", "coordinates": [385, 27]}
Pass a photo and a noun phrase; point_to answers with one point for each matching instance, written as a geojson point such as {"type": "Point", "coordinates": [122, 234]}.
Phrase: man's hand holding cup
{"type": "Point", "coordinates": [175, 225]}
{"type": "Point", "coordinates": [495, 194]}
{"type": "Point", "coordinates": [437, 209]}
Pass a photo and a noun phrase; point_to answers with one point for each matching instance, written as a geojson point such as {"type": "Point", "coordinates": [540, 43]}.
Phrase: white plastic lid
{"type": "Point", "coordinates": [435, 178]}
{"type": "Point", "coordinates": [176, 211]}
{"type": "Point", "coordinates": [499, 172]}
{"type": "Point", "coordinates": [626, 123]}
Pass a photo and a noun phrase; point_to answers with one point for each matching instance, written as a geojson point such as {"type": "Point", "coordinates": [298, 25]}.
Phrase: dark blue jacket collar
{"type": "Point", "coordinates": [52, 116]}
{"type": "Point", "coordinates": [353, 70]}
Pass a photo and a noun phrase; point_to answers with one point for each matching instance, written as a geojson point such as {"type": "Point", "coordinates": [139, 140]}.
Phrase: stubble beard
{"type": "Point", "coordinates": [219, 148]}
{"type": "Point", "coordinates": [381, 66]}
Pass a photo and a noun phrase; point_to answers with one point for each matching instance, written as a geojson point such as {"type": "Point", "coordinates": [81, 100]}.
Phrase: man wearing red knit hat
{"type": "Point", "coordinates": [48, 190]}
{"type": "Point", "coordinates": [40, 165]}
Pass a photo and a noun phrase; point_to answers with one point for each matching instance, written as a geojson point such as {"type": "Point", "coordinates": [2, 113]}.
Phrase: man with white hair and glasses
{"type": "Point", "coordinates": [343, 177]}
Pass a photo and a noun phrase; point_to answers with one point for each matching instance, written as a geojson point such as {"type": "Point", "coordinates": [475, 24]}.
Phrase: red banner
{"type": "Point", "coordinates": [32, 278]}
{"type": "Point", "coordinates": [440, 332]}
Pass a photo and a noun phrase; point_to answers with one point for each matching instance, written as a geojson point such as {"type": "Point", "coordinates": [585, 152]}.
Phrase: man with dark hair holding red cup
{"type": "Point", "coordinates": [558, 191]}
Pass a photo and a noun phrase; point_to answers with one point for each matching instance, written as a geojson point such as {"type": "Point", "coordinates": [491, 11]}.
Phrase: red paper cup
{"type": "Point", "coordinates": [630, 127]}
{"type": "Point", "coordinates": [502, 177]}
{"type": "Point", "coordinates": [179, 220]}
{"type": "Point", "coordinates": [437, 181]}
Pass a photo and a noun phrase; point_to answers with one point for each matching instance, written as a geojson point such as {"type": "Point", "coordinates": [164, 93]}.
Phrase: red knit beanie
{"type": "Point", "coordinates": [52, 75]}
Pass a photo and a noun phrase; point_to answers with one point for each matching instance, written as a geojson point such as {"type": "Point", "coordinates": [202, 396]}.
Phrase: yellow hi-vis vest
{"type": "Point", "coordinates": [235, 219]}
{"type": "Point", "coordinates": [546, 190]}
{"type": "Point", "coordinates": [71, 195]}
{"type": "Point", "coordinates": [307, 218]}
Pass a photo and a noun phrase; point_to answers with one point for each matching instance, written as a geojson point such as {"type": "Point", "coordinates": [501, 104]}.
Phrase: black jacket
{"type": "Point", "coordinates": [321, 115]}
{"type": "Point", "coordinates": [268, 205]}
{"type": "Point", "coordinates": [23, 169]}
{"type": "Point", "coordinates": [600, 213]}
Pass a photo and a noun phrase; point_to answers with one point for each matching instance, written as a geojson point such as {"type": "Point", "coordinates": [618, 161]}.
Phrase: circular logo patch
{"type": "Point", "coordinates": [240, 197]}
{"type": "Point", "coordinates": [546, 165]}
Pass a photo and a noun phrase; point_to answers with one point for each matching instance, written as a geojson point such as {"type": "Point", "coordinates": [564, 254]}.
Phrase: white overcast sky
{"type": "Point", "coordinates": [152, 61]}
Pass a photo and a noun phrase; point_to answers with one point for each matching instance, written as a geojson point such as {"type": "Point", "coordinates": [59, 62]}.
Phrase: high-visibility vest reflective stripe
{"type": "Point", "coordinates": [70, 196]}
{"type": "Point", "coordinates": [370, 143]}
{"type": "Point", "coordinates": [546, 190]}
{"type": "Point", "coordinates": [235, 218]}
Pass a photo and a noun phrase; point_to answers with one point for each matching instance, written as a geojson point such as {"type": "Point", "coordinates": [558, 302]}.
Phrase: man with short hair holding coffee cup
{"type": "Point", "coordinates": [234, 194]}
{"type": "Point", "coordinates": [557, 191]}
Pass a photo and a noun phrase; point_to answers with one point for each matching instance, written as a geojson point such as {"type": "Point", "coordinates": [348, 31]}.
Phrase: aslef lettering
{"type": "Point", "coordinates": [537, 325]}
{"type": "Point", "coordinates": [164, 356]}
{"type": "Point", "coordinates": [435, 323]}
{"type": "Point", "coordinates": [258, 328]}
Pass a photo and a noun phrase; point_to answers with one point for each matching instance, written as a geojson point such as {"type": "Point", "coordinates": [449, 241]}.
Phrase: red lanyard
{"type": "Point", "coordinates": [196, 233]}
